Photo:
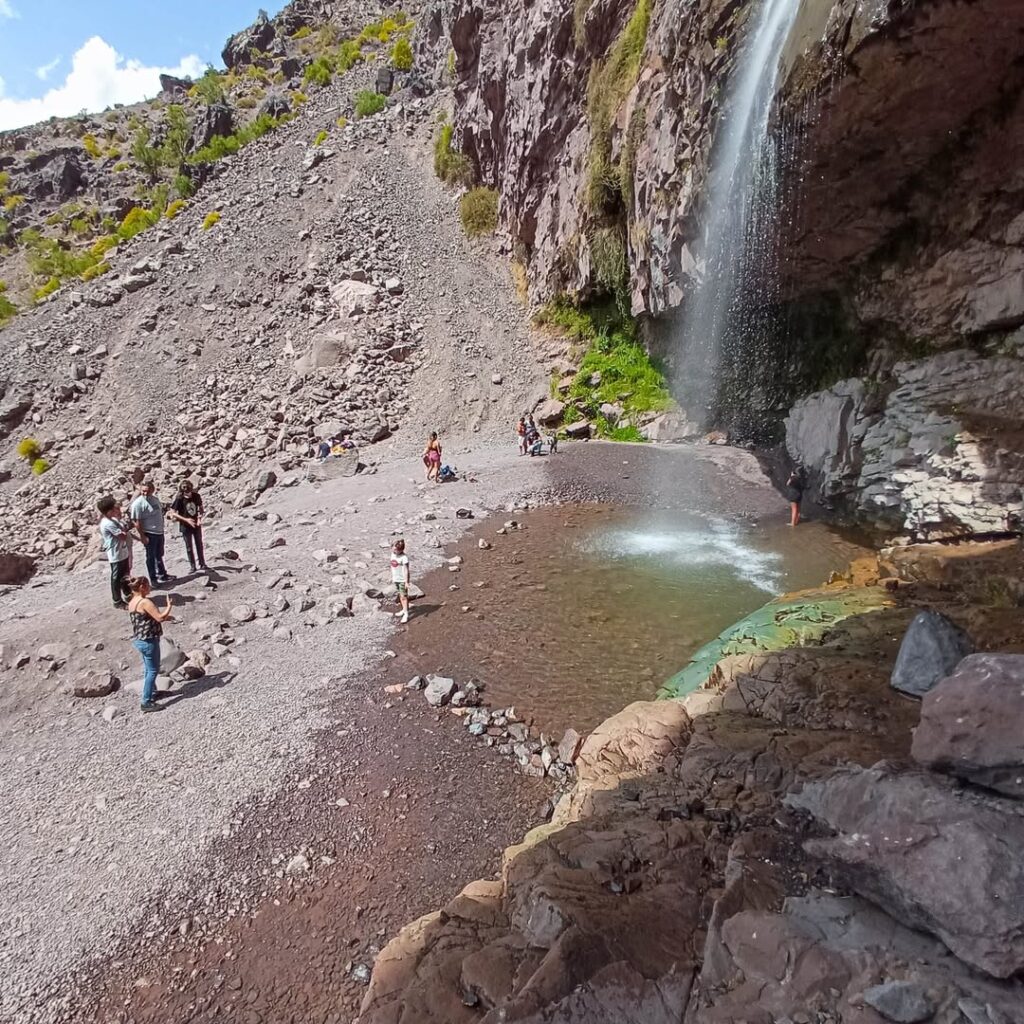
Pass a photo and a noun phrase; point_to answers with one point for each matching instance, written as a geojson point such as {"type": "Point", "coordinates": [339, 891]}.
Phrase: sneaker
{"type": "Point", "coordinates": [404, 617]}
{"type": "Point", "coordinates": [149, 705]}
{"type": "Point", "coordinates": [120, 605]}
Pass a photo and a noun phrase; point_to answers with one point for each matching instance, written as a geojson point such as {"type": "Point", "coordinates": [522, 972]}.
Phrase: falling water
{"type": "Point", "coordinates": [736, 264]}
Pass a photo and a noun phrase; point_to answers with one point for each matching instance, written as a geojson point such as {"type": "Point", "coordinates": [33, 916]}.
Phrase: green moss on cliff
{"type": "Point", "coordinates": [615, 368]}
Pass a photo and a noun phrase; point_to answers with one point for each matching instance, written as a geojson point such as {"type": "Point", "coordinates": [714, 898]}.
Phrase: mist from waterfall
{"type": "Point", "coordinates": [737, 258]}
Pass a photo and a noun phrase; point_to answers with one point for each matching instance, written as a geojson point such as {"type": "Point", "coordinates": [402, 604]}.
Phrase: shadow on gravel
{"type": "Point", "coordinates": [214, 681]}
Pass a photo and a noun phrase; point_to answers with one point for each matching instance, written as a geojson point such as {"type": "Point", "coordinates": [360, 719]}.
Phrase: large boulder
{"type": "Point", "coordinates": [258, 36]}
{"type": "Point", "coordinates": [216, 119]}
{"type": "Point", "coordinates": [931, 649]}
{"type": "Point", "coordinates": [16, 569]}
{"type": "Point", "coordinates": [937, 858]}
{"type": "Point", "coordinates": [174, 89]}
{"type": "Point", "coordinates": [550, 412]}
{"type": "Point", "coordinates": [326, 350]}
{"type": "Point", "coordinates": [972, 723]}
{"type": "Point", "coordinates": [355, 297]}
{"type": "Point", "coordinates": [671, 426]}
{"type": "Point", "coordinates": [275, 105]}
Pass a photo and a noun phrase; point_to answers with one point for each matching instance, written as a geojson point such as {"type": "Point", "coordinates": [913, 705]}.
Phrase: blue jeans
{"type": "Point", "coordinates": [150, 651]}
{"type": "Point", "coordinates": [155, 556]}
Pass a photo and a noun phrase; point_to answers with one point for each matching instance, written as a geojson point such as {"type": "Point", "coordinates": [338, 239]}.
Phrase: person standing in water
{"type": "Point", "coordinates": [400, 577]}
{"type": "Point", "coordinates": [147, 628]}
{"type": "Point", "coordinates": [795, 486]}
{"type": "Point", "coordinates": [432, 457]}
{"type": "Point", "coordinates": [187, 508]}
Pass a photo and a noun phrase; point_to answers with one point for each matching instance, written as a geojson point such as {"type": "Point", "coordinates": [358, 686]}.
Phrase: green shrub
{"type": "Point", "coordinates": [91, 146]}
{"type": "Point", "coordinates": [320, 139]}
{"type": "Point", "coordinates": [45, 290]}
{"type": "Point", "coordinates": [13, 202]}
{"type": "Point", "coordinates": [120, 167]}
{"type": "Point", "coordinates": [210, 219]}
{"type": "Point", "coordinates": [609, 263]}
{"type": "Point", "coordinates": [28, 449]}
{"type": "Point", "coordinates": [8, 310]}
{"type": "Point", "coordinates": [478, 210]}
{"type": "Point", "coordinates": [221, 146]}
{"type": "Point", "coordinates": [183, 186]}
{"type": "Point", "coordinates": [39, 467]}
{"type": "Point", "coordinates": [136, 220]}
{"type": "Point", "coordinates": [80, 226]}
{"type": "Point", "coordinates": [450, 64]}
{"type": "Point", "coordinates": [97, 270]}
{"type": "Point", "coordinates": [302, 32]}
{"type": "Point", "coordinates": [318, 73]}
{"type": "Point", "coordinates": [246, 103]}
{"type": "Point", "coordinates": [401, 54]}
{"type": "Point", "coordinates": [209, 88]}
{"type": "Point", "coordinates": [299, 97]}
{"type": "Point", "coordinates": [369, 103]}
{"type": "Point", "coordinates": [5, 180]}
{"type": "Point", "coordinates": [146, 156]}
{"type": "Point", "coordinates": [451, 167]}
{"type": "Point", "coordinates": [179, 132]}
{"type": "Point", "coordinates": [341, 122]}
{"type": "Point", "coordinates": [174, 209]}
{"type": "Point", "coordinates": [349, 55]}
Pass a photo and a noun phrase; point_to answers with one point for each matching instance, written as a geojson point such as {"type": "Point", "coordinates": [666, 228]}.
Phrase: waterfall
{"type": "Point", "coordinates": [737, 255]}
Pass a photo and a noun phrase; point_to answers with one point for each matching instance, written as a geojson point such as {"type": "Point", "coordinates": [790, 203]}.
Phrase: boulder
{"type": "Point", "coordinates": [931, 649]}
{"type": "Point", "coordinates": [438, 690]}
{"type": "Point", "coordinates": [550, 412]}
{"type": "Point", "coordinates": [94, 683]}
{"type": "Point", "coordinates": [935, 857]}
{"type": "Point", "coordinates": [385, 80]}
{"type": "Point", "coordinates": [171, 656]}
{"type": "Point", "coordinates": [330, 349]}
{"type": "Point", "coordinates": [174, 89]}
{"type": "Point", "coordinates": [905, 1002]}
{"type": "Point", "coordinates": [579, 431]}
{"type": "Point", "coordinates": [971, 723]}
{"type": "Point", "coordinates": [670, 426]}
{"type": "Point", "coordinates": [215, 119]}
{"type": "Point", "coordinates": [264, 480]}
{"type": "Point", "coordinates": [275, 105]}
{"type": "Point", "coordinates": [242, 613]}
{"type": "Point", "coordinates": [258, 36]}
{"type": "Point", "coordinates": [354, 297]}
{"type": "Point", "coordinates": [16, 569]}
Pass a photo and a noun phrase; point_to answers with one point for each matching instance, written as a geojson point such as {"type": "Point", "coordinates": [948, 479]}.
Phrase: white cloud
{"type": "Point", "coordinates": [6, 10]}
{"type": "Point", "coordinates": [99, 77]}
{"type": "Point", "coordinates": [43, 73]}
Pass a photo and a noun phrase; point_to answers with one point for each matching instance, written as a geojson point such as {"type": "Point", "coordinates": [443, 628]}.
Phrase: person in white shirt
{"type": "Point", "coordinates": [116, 538]}
{"type": "Point", "coordinates": [400, 577]}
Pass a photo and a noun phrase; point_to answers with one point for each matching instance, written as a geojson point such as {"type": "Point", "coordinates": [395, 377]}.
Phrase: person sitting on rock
{"type": "Point", "coordinates": [187, 508]}
{"type": "Point", "coordinates": [346, 441]}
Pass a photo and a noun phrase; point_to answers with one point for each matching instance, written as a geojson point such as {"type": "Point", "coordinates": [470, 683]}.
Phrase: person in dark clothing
{"type": "Point", "coordinates": [795, 486]}
{"type": "Point", "coordinates": [187, 508]}
{"type": "Point", "coordinates": [116, 538]}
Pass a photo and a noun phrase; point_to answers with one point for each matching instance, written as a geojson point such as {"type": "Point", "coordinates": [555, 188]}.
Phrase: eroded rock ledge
{"type": "Point", "coordinates": [763, 849]}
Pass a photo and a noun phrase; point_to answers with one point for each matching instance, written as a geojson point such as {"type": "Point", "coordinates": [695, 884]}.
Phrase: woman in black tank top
{"type": "Point", "coordinates": [147, 627]}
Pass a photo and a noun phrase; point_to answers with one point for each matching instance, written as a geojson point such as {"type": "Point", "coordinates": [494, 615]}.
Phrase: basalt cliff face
{"type": "Point", "coordinates": [901, 129]}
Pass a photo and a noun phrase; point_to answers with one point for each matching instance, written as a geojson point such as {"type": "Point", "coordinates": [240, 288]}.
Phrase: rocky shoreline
{"type": "Point", "coordinates": [735, 855]}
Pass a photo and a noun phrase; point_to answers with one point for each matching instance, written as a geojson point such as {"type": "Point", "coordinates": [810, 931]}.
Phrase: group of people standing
{"type": "Point", "coordinates": [145, 522]}
{"type": "Point", "coordinates": [530, 440]}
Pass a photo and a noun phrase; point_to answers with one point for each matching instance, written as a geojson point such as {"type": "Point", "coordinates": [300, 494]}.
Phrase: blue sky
{"type": "Point", "coordinates": [55, 54]}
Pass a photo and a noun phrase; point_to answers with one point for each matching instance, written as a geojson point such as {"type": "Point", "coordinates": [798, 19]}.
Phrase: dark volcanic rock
{"type": "Point", "coordinates": [972, 723]}
{"type": "Point", "coordinates": [931, 649]}
{"type": "Point", "coordinates": [216, 119]}
{"type": "Point", "coordinates": [258, 36]}
{"type": "Point", "coordinates": [930, 854]}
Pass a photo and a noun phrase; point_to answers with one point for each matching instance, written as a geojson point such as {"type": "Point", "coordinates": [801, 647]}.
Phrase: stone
{"type": "Point", "coordinates": [550, 412]}
{"type": "Point", "coordinates": [580, 431]}
{"type": "Point", "coordinates": [971, 723]}
{"type": "Point", "coordinates": [670, 426]}
{"type": "Point", "coordinates": [242, 613]}
{"type": "Point", "coordinates": [904, 1002]}
{"type": "Point", "coordinates": [569, 747]}
{"type": "Point", "coordinates": [935, 859]}
{"type": "Point", "coordinates": [171, 656]}
{"type": "Point", "coordinates": [94, 683]}
{"type": "Point", "coordinates": [297, 865]}
{"type": "Point", "coordinates": [931, 649]}
{"type": "Point", "coordinates": [16, 569]}
{"type": "Point", "coordinates": [362, 604]}
{"type": "Point", "coordinates": [438, 690]}
{"type": "Point", "coordinates": [264, 480]}
{"type": "Point", "coordinates": [110, 713]}
{"type": "Point", "coordinates": [354, 297]}
{"type": "Point", "coordinates": [416, 683]}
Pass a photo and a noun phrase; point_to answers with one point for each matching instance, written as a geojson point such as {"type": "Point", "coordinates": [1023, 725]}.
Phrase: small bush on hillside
{"type": "Point", "coordinates": [246, 103]}
{"type": "Point", "coordinates": [451, 167]}
{"type": "Point", "coordinates": [13, 202]}
{"type": "Point", "coordinates": [450, 64]}
{"type": "Point", "coordinates": [97, 270]}
{"type": "Point", "coordinates": [320, 139]}
{"type": "Point", "coordinates": [369, 103]}
{"type": "Point", "coordinates": [136, 220]}
{"type": "Point", "coordinates": [40, 466]}
{"type": "Point", "coordinates": [478, 210]}
{"type": "Point", "coordinates": [174, 209]}
{"type": "Point", "coordinates": [183, 186]}
{"type": "Point", "coordinates": [318, 73]}
{"type": "Point", "coordinates": [401, 54]}
{"type": "Point", "coordinates": [176, 140]}
{"type": "Point", "coordinates": [302, 32]}
{"type": "Point", "coordinates": [299, 97]}
{"type": "Point", "coordinates": [349, 55]}
{"type": "Point", "coordinates": [209, 88]}
{"type": "Point", "coordinates": [210, 219]}
{"type": "Point", "coordinates": [46, 290]}
{"type": "Point", "coordinates": [8, 310]}
{"type": "Point", "coordinates": [91, 146]}
{"type": "Point", "coordinates": [121, 167]}
{"type": "Point", "coordinates": [341, 122]}
{"type": "Point", "coordinates": [28, 449]}
{"type": "Point", "coordinates": [146, 156]}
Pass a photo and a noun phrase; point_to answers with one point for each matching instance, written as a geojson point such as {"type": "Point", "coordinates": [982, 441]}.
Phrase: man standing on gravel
{"type": "Point", "coordinates": [147, 513]}
{"type": "Point", "coordinates": [187, 508]}
{"type": "Point", "coordinates": [115, 535]}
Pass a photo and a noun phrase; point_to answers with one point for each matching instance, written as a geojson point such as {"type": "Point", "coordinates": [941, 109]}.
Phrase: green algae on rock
{"type": "Point", "coordinates": [792, 621]}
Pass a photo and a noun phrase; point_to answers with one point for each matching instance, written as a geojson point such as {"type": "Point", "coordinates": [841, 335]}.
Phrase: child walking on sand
{"type": "Point", "coordinates": [400, 577]}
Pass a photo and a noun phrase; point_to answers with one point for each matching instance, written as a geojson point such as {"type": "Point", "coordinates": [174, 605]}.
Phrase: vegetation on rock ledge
{"type": "Point", "coordinates": [615, 369]}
